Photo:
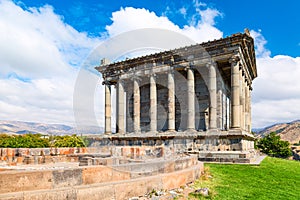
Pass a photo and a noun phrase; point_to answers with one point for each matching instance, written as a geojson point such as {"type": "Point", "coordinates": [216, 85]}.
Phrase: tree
{"type": "Point", "coordinates": [274, 146]}
{"type": "Point", "coordinates": [68, 141]}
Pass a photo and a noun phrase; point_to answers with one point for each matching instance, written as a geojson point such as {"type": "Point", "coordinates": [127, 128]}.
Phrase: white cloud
{"type": "Point", "coordinates": [198, 4]}
{"type": "Point", "coordinates": [129, 18]}
{"type": "Point", "coordinates": [260, 43]}
{"type": "Point", "coordinates": [276, 96]}
{"type": "Point", "coordinates": [38, 53]}
{"type": "Point", "coordinates": [36, 42]}
{"type": "Point", "coordinates": [183, 11]}
{"type": "Point", "coordinates": [40, 56]}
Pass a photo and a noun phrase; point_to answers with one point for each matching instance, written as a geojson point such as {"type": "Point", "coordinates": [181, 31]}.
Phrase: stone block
{"type": "Point", "coordinates": [100, 174]}
{"type": "Point", "coordinates": [24, 181]}
{"type": "Point", "coordinates": [96, 192]}
{"type": "Point", "coordinates": [67, 178]}
{"type": "Point", "coordinates": [66, 193]}
{"type": "Point", "coordinates": [174, 180]}
{"type": "Point", "coordinates": [169, 167]}
{"type": "Point", "coordinates": [136, 187]}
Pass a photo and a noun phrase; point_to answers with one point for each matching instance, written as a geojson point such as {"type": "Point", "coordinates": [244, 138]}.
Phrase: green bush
{"type": "Point", "coordinates": [68, 141]}
{"type": "Point", "coordinates": [274, 146]}
{"type": "Point", "coordinates": [37, 141]}
{"type": "Point", "coordinates": [24, 141]}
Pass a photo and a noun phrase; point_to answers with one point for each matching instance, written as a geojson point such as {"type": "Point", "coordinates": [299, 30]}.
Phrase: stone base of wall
{"type": "Point", "coordinates": [100, 182]}
{"type": "Point", "coordinates": [19, 156]}
{"type": "Point", "coordinates": [118, 190]}
{"type": "Point", "coordinates": [245, 157]}
{"type": "Point", "coordinates": [233, 146]}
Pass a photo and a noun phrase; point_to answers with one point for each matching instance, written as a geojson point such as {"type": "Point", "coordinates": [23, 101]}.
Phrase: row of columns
{"type": "Point", "coordinates": [136, 105]}
{"type": "Point", "coordinates": [240, 98]}
{"type": "Point", "coordinates": [240, 103]}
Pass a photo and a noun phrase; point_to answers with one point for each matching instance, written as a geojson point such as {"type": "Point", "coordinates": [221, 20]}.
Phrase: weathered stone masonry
{"type": "Point", "coordinates": [202, 91]}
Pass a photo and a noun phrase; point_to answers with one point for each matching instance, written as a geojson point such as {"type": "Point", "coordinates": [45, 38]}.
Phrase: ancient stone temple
{"type": "Point", "coordinates": [197, 98]}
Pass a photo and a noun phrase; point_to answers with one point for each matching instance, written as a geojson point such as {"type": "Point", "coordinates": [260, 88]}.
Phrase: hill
{"type": "Point", "coordinates": [20, 127]}
{"type": "Point", "coordinates": [288, 131]}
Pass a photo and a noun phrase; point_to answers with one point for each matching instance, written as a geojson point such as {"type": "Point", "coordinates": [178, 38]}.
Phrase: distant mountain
{"type": "Point", "coordinates": [20, 127]}
{"type": "Point", "coordinates": [288, 131]}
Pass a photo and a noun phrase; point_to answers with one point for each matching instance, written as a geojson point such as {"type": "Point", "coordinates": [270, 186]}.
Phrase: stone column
{"type": "Point", "coordinates": [171, 102]}
{"type": "Point", "coordinates": [242, 100]}
{"type": "Point", "coordinates": [247, 107]}
{"type": "Point", "coordinates": [153, 104]}
{"type": "Point", "coordinates": [120, 108]}
{"type": "Point", "coordinates": [129, 107]}
{"type": "Point", "coordinates": [191, 99]}
{"type": "Point", "coordinates": [107, 129]}
{"type": "Point", "coordinates": [136, 106]}
{"type": "Point", "coordinates": [250, 114]}
{"type": "Point", "coordinates": [235, 92]}
{"type": "Point", "coordinates": [212, 88]}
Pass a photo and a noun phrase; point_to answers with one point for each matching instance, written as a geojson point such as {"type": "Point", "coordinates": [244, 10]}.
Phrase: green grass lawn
{"type": "Point", "coordinates": [273, 179]}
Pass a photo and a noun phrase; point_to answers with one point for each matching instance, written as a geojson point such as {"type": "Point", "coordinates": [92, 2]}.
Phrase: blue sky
{"type": "Point", "coordinates": [43, 45]}
{"type": "Point", "coordinates": [278, 21]}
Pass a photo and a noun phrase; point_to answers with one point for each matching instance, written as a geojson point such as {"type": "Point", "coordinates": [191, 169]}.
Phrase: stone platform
{"type": "Point", "coordinates": [116, 181]}
{"type": "Point", "coordinates": [210, 146]}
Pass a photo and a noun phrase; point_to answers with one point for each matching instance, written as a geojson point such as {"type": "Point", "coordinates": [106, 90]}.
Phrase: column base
{"type": "Point", "coordinates": [171, 130]}
{"type": "Point", "coordinates": [191, 130]}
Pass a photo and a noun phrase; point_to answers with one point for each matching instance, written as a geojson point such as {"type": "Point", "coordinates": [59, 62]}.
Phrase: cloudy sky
{"type": "Point", "coordinates": [44, 44]}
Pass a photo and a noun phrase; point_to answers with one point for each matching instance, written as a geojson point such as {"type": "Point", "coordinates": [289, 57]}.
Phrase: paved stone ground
{"type": "Point", "coordinates": [258, 160]}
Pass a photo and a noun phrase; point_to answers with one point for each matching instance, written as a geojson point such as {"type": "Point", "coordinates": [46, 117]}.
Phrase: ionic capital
{"type": "Point", "coordinates": [234, 60]}
{"type": "Point", "coordinates": [211, 64]}
{"type": "Point", "coordinates": [153, 76]}
{"type": "Point", "coordinates": [136, 78]}
{"type": "Point", "coordinates": [107, 82]}
{"type": "Point", "coordinates": [189, 67]}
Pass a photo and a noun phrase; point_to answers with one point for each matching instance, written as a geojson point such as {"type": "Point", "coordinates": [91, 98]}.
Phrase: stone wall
{"type": "Point", "coordinates": [118, 190]}
{"type": "Point", "coordinates": [15, 156]}
{"type": "Point", "coordinates": [100, 182]}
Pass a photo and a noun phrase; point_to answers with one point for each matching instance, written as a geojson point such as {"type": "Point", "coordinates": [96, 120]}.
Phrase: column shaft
{"type": "Point", "coordinates": [250, 114]}
{"type": "Point", "coordinates": [136, 106]}
{"type": "Point", "coordinates": [235, 94]}
{"type": "Point", "coordinates": [171, 102]}
{"type": "Point", "coordinates": [247, 108]}
{"type": "Point", "coordinates": [129, 108]}
{"type": "Point", "coordinates": [153, 105]}
{"type": "Point", "coordinates": [212, 88]}
{"type": "Point", "coordinates": [242, 100]}
{"type": "Point", "coordinates": [191, 99]}
{"type": "Point", "coordinates": [120, 108]}
{"type": "Point", "coordinates": [107, 110]}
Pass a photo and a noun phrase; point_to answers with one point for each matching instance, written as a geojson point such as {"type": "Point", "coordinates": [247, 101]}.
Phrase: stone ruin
{"type": "Point", "coordinates": [174, 109]}
{"type": "Point", "coordinates": [94, 173]}
{"type": "Point", "coordinates": [195, 99]}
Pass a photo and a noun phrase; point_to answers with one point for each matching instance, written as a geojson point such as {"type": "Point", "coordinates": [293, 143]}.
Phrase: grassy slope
{"type": "Point", "coordinates": [273, 179]}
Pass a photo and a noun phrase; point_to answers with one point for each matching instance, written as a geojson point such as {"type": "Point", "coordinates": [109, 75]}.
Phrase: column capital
{"type": "Point", "coordinates": [172, 60]}
{"type": "Point", "coordinates": [211, 63]}
{"type": "Point", "coordinates": [153, 63]}
{"type": "Point", "coordinates": [234, 59]}
{"type": "Point", "coordinates": [152, 75]}
{"type": "Point", "coordinates": [121, 81]}
{"type": "Point", "coordinates": [186, 68]}
{"type": "Point", "coordinates": [136, 78]}
{"type": "Point", "coordinates": [106, 82]}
